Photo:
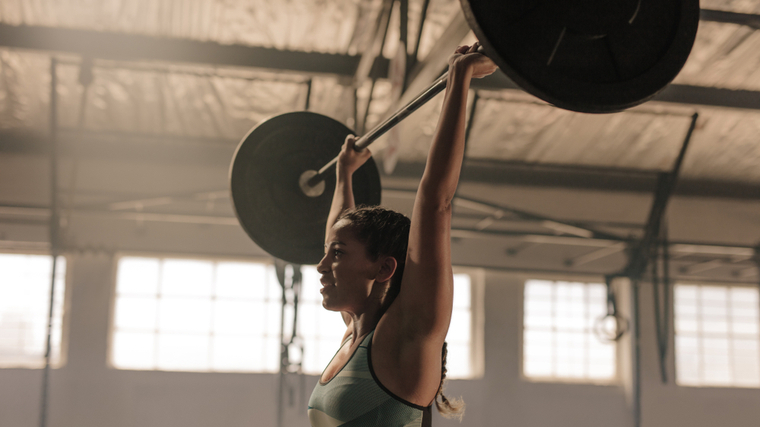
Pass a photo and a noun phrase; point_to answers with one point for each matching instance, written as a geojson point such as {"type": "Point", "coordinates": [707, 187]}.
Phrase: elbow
{"type": "Point", "coordinates": [436, 195]}
{"type": "Point", "coordinates": [440, 203]}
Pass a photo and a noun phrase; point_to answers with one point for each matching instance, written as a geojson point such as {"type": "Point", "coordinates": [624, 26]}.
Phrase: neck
{"type": "Point", "coordinates": [366, 321]}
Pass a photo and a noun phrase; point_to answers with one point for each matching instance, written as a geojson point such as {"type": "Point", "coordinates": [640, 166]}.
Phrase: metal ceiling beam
{"type": "Point", "coordinates": [217, 152]}
{"type": "Point", "coordinates": [584, 177]}
{"type": "Point", "coordinates": [709, 96]}
{"type": "Point", "coordinates": [136, 47]}
{"type": "Point", "coordinates": [725, 17]}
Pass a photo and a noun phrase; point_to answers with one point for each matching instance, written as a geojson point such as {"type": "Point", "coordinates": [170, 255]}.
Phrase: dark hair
{"type": "Point", "coordinates": [386, 233]}
{"type": "Point", "coordinates": [449, 408]}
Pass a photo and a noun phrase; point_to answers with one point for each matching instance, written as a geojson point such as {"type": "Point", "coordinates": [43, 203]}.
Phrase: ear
{"type": "Point", "coordinates": [387, 267]}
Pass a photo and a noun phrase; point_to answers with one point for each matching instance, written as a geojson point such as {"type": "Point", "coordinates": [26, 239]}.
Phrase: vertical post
{"type": "Point", "coordinates": [642, 254]}
{"type": "Point", "coordinates": [423, 16]}
{"type": "Point", "coordinates": [403, 40]}
{"type": "Point", "coordinates": [636, 353]}
{"type": "Point", "coordinates": [756, 258]}
{"type": "Point", "coordinates": [291, 288]}
{"type": "Point", "coordinates": [308, 95]}
{"type": "Point", "coordinates": [53, 234]}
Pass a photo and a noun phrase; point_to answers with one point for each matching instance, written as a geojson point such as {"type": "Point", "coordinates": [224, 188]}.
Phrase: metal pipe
{"type": "Point", "coordinates": [636, 353]}
{"type": "Point", "coordinates": [666, 182]}
{"type": "Point", "coordinates": [423, 16]}
{"type": "Point", "coordinates": [53, 236]}
{"type": "Point", "coordinates": [726, 17]}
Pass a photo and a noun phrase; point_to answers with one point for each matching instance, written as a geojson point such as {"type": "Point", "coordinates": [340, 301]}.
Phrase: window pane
{"type": "Point", "coordinates": [311, 286]}
{"type": "Point", "coordinates": [320, 329]}
{"type": "Point", "coordinates": [238, 317]}
{"type": "Point", "coordinates": [136, 313]}
{"type": "Point", "coordinates": [240, 280]}
{"type": "Point", "coordinates": [239, 353]}
{"type": "Point", "coordinates": [182, 277]}
{"type": "Point", "coordinates": [183, 352]}
{"type": "Point", "coordinates": [137, 276]}
{"type": "Point", "coordinates": [184, 315]}
{"type": "Point", "coordinates": [458, 360]}
{"type": "Point", "coordinates": [134, 350]}
{"type": "Point", "coordinates": [271, 354]}
{"type": "Point", "coordinates": [462, 291]}
{"type": "Point", "coordinates": [459, 330]}
{"type": "Point", "coordinates": [273, 289]}
{"type": "Point", "coordinates": [24, 309]}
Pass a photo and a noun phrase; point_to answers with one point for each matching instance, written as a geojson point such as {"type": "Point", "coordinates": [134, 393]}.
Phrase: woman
{"type": "Point", "coordinates": [392, 281]}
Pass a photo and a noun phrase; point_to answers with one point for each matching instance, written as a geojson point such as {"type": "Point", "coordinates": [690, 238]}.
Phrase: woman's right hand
{"type": "Point", "coordinates": [349, 160]}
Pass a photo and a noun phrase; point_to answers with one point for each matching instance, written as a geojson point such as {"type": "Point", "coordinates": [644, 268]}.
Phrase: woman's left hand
{"type": "Point", "coordinates": [467, 57]}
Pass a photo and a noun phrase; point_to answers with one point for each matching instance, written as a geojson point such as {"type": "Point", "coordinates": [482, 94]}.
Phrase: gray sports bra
{"type": "Point", "coordinates": [355, 397]}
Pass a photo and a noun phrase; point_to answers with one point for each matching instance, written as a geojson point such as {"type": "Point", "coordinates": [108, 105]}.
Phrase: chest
{"type": "Point", "coordinates": [347, 391]}
{"type": "Point", "coordinates": [340, 360]}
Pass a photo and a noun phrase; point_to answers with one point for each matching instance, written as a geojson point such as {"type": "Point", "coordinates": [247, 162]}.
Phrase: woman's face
{"type": "Point", "coordinates": [348, 273]}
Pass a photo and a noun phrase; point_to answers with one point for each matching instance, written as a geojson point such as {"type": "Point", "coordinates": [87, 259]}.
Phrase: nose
{"type": "Point", "coordinates": [324, 265]}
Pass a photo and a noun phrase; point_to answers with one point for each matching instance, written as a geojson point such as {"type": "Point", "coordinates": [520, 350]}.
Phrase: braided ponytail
{"type": "Point", "coordinates": [449, 408]}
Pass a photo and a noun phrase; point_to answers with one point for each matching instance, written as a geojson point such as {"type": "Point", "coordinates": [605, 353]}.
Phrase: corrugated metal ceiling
{"type": "Point", "coordinates": [223, 103]}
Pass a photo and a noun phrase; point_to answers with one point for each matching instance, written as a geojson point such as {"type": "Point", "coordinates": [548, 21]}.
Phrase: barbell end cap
{"type": "Point", "coordinates": [309, 189]}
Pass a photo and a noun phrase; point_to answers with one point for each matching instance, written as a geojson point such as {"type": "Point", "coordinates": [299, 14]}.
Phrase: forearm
{"type": "Point", "coordinates": [444, 163]}
{"type": "Point", "coordinates": [343, 197]}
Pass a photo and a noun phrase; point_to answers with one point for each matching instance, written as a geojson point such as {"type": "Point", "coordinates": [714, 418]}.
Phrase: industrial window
{"type": "Point", "coordinates": [558, 338]}
{"type": "Point", "coordinates": [205, 315]}
{"type": "Point", "coordinates": [196, 315]}
{"type": "Point", "coordinates": [717, 338]}
{"type": "Point", "coordinates": [24, 310]}
{"type": "Point", "coordinates": [322, 330]}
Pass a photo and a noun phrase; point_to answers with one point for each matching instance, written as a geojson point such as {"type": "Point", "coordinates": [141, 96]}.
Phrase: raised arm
{"type": "Point", "coordinates": [349, 160]}
{"type": "Point", "coordinates": [425, 301]}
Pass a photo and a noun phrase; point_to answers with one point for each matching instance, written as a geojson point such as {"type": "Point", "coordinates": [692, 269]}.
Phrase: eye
{"type": "Point", "coordinates": [337, 252]}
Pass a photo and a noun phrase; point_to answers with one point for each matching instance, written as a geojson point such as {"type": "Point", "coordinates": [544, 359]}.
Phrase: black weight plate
{"type": "Point", "coordinates": [264, 180]}
{"type": "Point", "coordinates": [592, 56]}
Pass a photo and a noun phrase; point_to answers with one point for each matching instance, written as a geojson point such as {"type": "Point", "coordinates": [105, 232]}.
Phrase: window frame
{"type": "Point", "coordinates": [268, 261]}
{"type": "Point", "coordinates": [672, 338]}
{"type": "Point", "coordinates": [614, 381]}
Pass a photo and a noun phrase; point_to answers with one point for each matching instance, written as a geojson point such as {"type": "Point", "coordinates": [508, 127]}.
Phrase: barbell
{"type": "Point", "coordinates": [591, 56]}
